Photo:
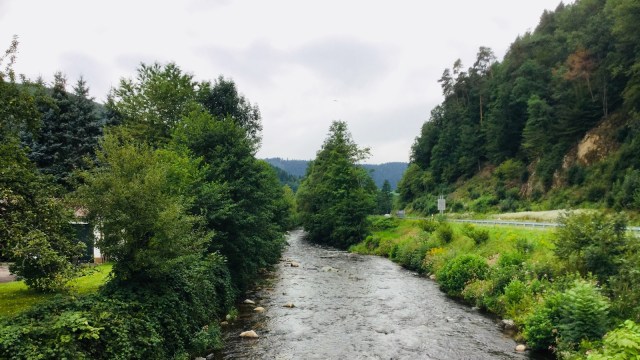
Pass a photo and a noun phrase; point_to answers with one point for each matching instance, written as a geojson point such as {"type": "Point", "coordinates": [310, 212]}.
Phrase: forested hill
{"type": "Point", "coordinates": [553, 124]}
{"type": "Point", "coordinates": [388, 171]}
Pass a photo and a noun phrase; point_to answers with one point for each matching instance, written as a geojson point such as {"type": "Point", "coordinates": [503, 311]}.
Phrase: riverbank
{"type": "Point", "coordinates": [541, 280]}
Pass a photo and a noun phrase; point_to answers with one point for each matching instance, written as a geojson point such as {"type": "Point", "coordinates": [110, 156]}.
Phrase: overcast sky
{"type": "Point", "coordinates": [374, 64]}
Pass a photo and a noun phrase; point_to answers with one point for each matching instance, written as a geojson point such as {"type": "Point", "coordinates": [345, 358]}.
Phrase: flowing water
{"type": "Point", "coordinates": [349, 306]}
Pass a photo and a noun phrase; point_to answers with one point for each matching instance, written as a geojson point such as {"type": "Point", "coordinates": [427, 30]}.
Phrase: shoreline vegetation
{"type": "Point", "coordinates": [561, 289]}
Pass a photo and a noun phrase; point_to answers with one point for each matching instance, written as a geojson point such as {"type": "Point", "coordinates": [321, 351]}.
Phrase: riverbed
{"type": "Point", "coordinates": [349, 306]}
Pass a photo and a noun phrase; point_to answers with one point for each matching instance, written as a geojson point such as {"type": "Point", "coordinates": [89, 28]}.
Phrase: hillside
{"type": "Point", "coordinates": [554, 124]}
{"type": "Point", "coordinates": [392, 171]}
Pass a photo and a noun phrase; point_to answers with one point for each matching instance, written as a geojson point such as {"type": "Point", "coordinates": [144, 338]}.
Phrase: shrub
{"type": "Point", "coordinates": [176, 318]}
{"type": "Point", "coordinates": [379, 223]}
{"type": "Point", "coordinates": [455, 274]}
{"type": "Point", "coordinates": [479, 236]}
{"type": "Point", "coordinates": [444, 232]}
{"type": "Point", "coordinates": [428, 225]}
{"type": "Point", "coordinates": [478, 293]}
{"type": "Point", "coordinates": [583, 314]}
{"type": "Point", "coordinates": [567, 318]}
{"type": "Point", "coordinates": [592, 243]}
{"type": "Point", "coordinates": [621, 343]}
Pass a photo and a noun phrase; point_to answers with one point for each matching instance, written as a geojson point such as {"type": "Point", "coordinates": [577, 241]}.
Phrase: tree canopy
{"type": "Point", "coordinates": [337, 194]}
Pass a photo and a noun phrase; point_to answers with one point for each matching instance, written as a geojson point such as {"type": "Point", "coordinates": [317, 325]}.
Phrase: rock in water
{"type": "Point", "coordinates": [508, 325]}
{"type": "Point", "coordinates": [289, 305]}
{"type": "Point", "coordinates": [250, 302]}
{"type": "Point", "coordinates": [249, 334]}
{"type": "Point", "coordinates": [521, 348]}
{"type": "Point", "coordinates": [259, 309]}
{"type": "Point", "coordinates": [294, 264]}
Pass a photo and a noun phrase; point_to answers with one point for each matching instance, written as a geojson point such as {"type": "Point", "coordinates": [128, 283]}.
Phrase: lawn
{"type": "Point", "coordinates": [15, 297]}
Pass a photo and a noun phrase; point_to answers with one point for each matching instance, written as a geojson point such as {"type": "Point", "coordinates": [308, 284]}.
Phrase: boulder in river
{"type": "Point", "coordinates": [259, 309]}
{"type": "Point", "coordinates": [249, 334]}
{"type": "Point", "coordinates": [250, 302]}
{"type": "Point", "coordinates": [508, 325]}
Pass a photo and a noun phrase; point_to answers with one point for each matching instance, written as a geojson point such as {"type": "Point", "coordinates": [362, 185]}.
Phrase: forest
{"type": "Point", "coordinates": [554, 124]}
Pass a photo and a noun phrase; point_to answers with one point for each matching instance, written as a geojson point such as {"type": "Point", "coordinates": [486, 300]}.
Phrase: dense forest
{"type": "Point", "coordinates": [166, 171]}
{"type": "Point", "coordinates": [391, 172]}
{"type": "Point", "coordinates": [554, 124]}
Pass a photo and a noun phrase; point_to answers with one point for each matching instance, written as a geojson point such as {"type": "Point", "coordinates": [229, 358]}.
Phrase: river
{"type": "Point", "coordinates": [350, 306]}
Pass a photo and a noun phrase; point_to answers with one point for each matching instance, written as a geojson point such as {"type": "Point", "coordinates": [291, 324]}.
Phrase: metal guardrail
{"type": "Point", "coordinates": [634, 229]}
{"type": "Point", "coordinates": [508, 222]}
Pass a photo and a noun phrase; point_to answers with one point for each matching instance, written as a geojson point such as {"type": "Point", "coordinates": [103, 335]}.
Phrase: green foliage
{"type": "Point", "coordinates": [131, 321]}
{"type": "Point", "coordinates": [479, 236]}
{"type": "Point", "coordinates": [336, 197]}
{"type": "Point", "coordinates": [428, 225]}
{"type": "Point", "coordinates": [221, 99]}
{"type": "Point", "coordinates": [380, 223]}
{"type": "Point", "coordinates": [155, 102]}
{"type": "Point", "coordinates": [444, 232]}
{"type": "Point", "coordinates": [34, 226]}
{"type": "Point", "coordinates": [140, 197]}
{"type": "Point", "coordinates": [583, 314]}
{"type": "Point", "coordinates": [621, 343]}
{"type": "Point", "coordinates": [70, 131]}
{"type": "Point", "coordinates": [591, 243]}
{"type": "Point", "coordinates": [577, 69]}
{"type": "Point", "coordinates": [566, 318]}
{"type": "Point", "coordinates": [460, 271]}
{"type": "Point", "coordinates": [384, 199]}
{"type": "Point", "coordinates": [241, 199]}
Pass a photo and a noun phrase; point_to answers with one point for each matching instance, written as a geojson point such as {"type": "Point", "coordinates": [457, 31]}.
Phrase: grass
{"type": "Point", "coordinates": [16, 297]}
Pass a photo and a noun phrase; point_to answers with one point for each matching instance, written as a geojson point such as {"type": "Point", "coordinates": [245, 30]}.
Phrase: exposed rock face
{"type": "Point", "coordinates": [249, 334]}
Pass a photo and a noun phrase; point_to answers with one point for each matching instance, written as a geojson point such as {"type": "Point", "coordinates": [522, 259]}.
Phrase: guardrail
{"type": "Point", "coordinates": [634, 229]}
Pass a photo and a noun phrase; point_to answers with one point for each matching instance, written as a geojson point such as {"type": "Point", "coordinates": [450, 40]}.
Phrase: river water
{"type": "Point", "coordinates": [350, 306]}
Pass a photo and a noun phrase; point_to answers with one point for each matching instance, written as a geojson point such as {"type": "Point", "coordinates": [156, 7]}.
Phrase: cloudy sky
{"type": "Point", "coordinates": [372, 63]}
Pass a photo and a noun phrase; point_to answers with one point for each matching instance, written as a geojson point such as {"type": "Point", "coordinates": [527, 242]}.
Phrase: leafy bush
{"type": "Point", "coordinates": [621, 343]}
{"type": "Point", "coordinates": [379, 223]}
{"type": "Point", "coordinates": [583, 314]}
{"type": "Point", "coordinates": [461, 270]}
{"type": "Point", "coordinates": [566, 318]}
{"type": "Point", "coordinates": [411, 254]}
{"type": "Point", "coordinates": [592, 243]}
{"type": "Point", "coordinates": [444, 232]}
{"type": "Point", "coordinates": [128, 321]}
{"type": "Point", "coordinates": [428, 225]}
{"type": "Point", "coordinates": [479, 236]}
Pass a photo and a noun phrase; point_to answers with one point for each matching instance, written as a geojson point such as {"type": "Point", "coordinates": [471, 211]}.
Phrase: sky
{"type": "Point", "coordinates": [371, 63]}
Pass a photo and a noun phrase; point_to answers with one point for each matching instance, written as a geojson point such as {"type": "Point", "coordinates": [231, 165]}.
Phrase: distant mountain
{"type": "Point", "coordinates": [392, 171]}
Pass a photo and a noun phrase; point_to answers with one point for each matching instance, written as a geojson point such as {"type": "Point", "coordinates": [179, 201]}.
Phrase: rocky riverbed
{"type": "Point", "coordinates": [321, 303]}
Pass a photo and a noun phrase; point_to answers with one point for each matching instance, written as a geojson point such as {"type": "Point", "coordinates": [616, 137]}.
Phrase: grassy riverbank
{"type": "Point", "coordinates": [16, 297]}
{"type": "Point", "coordinates": [564, 289]}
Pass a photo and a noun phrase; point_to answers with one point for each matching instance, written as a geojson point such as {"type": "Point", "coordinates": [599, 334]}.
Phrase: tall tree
{"type": "Point", "coordinates": [221, 99]}
{"type": "Point", "coordinates": [385, 198]}
{"type": "Point", "coordinates": [70, 131]}
{"type": "Point", "coordinates": [337, 195]}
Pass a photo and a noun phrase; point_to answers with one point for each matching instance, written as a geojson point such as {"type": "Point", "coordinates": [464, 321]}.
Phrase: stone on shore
{"type": "Point", "coordinates": [259, 309]}
{"type": "Point", "coordinates": [294, 264]}
{"type": "Point", "coordinates": [521, 348]}
{"type": "Point", "coordinates": [250, 302]}
{"type": "Point", "coordinates": [289, 305]}
{"type": "Point", "coordinates": [249, 334]}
